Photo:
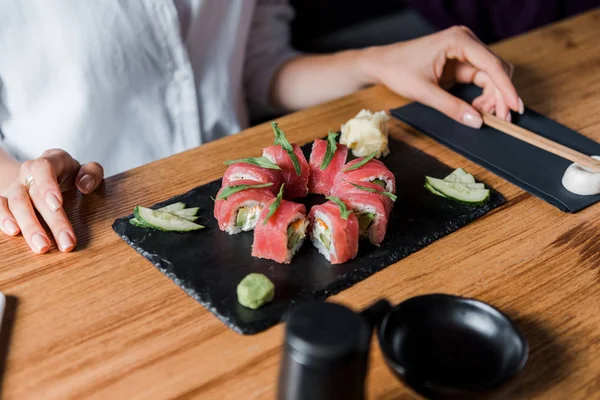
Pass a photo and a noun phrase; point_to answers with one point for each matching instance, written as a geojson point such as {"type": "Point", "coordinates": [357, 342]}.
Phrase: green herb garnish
{"type": "Point", "coordinates": [361, 162]}
{"type": "Point", "coordinates": [258, 161]}
{"type": "Point", "coordinates": [344, 212]}
{"type": "Point", "coordinates": [282, 141]}
{"type": "Point", "coordinates": [368, 189]}
{"type": "Point", "coordinates": [230, 190]}
{"type": "Point", "coordinates": [274, 205]}
{"type": "Point", "coordinates": [331, 148]}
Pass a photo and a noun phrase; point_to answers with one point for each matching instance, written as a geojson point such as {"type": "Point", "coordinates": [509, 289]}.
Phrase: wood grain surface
{"type": "Point", "coordinates": [104, 323]}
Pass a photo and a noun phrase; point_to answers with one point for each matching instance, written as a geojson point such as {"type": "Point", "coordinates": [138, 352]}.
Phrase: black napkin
{"type": "Point", "coordinates": [532, 169]}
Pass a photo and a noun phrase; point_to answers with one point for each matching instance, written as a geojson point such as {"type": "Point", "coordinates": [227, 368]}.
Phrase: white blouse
{"type": "Point", "coordinates": [126, 82]}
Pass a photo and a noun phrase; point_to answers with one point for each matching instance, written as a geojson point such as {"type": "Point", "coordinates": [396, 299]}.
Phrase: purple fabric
{"type": "Point", "coordinates": [493, 20]}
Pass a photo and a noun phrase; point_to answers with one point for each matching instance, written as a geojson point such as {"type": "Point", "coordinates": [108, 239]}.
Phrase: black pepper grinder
{"type": "Point", "coordinates": [325, 354]}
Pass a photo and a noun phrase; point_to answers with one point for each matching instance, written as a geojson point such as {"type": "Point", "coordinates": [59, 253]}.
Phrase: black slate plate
{"type": "Point", "coordinates": [209, 264]}
{"type": "Point", "coordinates": [532, 169]}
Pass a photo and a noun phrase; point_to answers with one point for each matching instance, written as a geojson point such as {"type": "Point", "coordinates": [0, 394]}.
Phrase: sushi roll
{"type": "Point", "coordinates": [240, 211]}
{"type": "Point", "coordinates": [322, 179]}
{"type": "Point", "coordinates": [279, 236]}
{"type": "Point", "coordinates": [334, 232]}
{"type": "Point", "coordinates": [373, 171]}
{"type": "Point", "coordinates": [249, 172]}
{"type": "Point", "coordinates": [343, 187]}
{"type": "Point", "coordinates": [295, 185]}
{"type": "Point", "coordinates": [371, 211]}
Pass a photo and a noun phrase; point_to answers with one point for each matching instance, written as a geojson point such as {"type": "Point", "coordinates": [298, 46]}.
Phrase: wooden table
{"type": "Point", "coordinates": [104, 323]}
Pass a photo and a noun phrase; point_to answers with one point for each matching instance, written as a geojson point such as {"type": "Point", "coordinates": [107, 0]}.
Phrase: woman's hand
{"type": "Point", "coordinates": [420, 69]}
{"type": "Point", "coordinates": [39, 188]}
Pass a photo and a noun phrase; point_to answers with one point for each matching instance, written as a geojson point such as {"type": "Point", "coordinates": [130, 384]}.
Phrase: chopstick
{"type": "Point", "coordinates": [541, 142]}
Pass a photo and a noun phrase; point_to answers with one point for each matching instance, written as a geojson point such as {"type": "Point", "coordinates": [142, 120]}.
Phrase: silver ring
{"type": "Point", "coordinates": [29, 182]}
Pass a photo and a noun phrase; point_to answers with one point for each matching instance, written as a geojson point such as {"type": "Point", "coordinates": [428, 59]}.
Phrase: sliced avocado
{"type": "Point", "coordinates": [242, 217]}
{"type": "Point", "coordinates": [364, 221]}
{"type": "Point", "coordinates": [325, 240]}
{"type": "Point", "coordinates": [379, 182]}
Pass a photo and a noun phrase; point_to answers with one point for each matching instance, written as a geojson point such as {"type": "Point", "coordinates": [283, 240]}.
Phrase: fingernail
{"type": "Point", "coordinates": [52, 201]}
{"type": "Point", "coordinates": [509, 117]}
{"type": "Point", "coordinates": [472, 119]}
{"type": "Point", "coordinates": [39, 242]}
{"type": "Point", "coordinates": [11, 227]}
{"type": "Point", "coordinates": [65, 241]}
{"type": "Point", "coordinates": [86, 183]}
{"type": "Point", "coordinates": [521, 107]}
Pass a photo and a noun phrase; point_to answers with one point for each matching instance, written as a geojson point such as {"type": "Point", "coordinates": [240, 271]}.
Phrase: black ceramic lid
{"type": "Point", "coordinates": [326, 332]}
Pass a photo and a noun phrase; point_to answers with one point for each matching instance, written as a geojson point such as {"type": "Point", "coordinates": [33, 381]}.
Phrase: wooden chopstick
{"type": "Point", "coordinates": [541, 142]}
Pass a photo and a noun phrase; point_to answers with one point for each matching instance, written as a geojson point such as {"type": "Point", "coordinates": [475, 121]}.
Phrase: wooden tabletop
{"type": "Point", "coordinates": [102, 322]}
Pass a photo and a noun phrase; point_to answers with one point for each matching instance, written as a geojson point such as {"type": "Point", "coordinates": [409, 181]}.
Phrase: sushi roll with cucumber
{"type": "Point", "coordinates": [369, 170]}
{"type": "Point", "coordinates": [334, 231]}
{"type": "Point", "coordinates": [280, 231]}
{"type": "Point", "coordinates": [248, 172]}
{"type": "Point", "coordinates": [239, 204]}
{"type": "Point", "coordinates": [342, 188]}
{"type": "Point", "coordinates": [372, 213]}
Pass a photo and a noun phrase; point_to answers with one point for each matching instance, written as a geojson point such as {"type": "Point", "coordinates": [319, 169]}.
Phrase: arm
{"type": "Point", "coordinates": [308, 80]}
{"type": "Point", "coordinates": [416, 69]}
{"type": "Point", "coordinates": [267, 49]}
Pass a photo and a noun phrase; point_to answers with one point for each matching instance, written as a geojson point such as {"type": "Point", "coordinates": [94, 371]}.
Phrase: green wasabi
{"type": "Point", "coordinates": [255, 290]}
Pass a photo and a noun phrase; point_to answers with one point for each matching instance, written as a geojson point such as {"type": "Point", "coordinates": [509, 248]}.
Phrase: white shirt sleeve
{"type": "Point", "coordinates": [268, 48]}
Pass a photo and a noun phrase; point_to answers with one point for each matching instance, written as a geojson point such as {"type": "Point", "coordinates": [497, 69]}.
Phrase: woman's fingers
{"type": "Point", "coordinates": [489, 106]}
{"type": "Point", "coordinates": [508, 67]}
{"type": "Point", "coordinates": [491, 98]}
{"type": "Point", "coordinates": [46, 195]}
{"type": "Point", "coordinates": [89, 177]}
{"type": "Point", "coordinates": [21, 208]}
{"type": "Point", "coordinates": [56, 220]}
{"type": "Point", "coordinates": [466, 49]}
{"type": "Point", "coordinates": [45, 178]}
{"type": "Point", "coordinates": [485, 104]}
{"type": "Point", "coordinates": [502, 110]}
{"type": "Point", "coordinates": [43, 170]}
{"type": "Point", "coordinates": [466, 73]}
{"type": "Point", "coordinates": [478, 102]}
{"type": "Point", "coordinates": [46, 171]}
{"type": "Point", "coordinates": [455, 108]}
{"type": "Point", "coordinates": [8, 224]}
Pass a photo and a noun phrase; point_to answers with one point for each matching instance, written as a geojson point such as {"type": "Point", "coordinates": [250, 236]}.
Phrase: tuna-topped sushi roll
{"type": "Point", "coordinates": [294, 168]}
{"type": "Point", "coordinates": [327, 159]}
{"type": "Point", "coordinates": [242, 171]}
{"type": "Point", "coordinates": [345, 187]}
{"type": "Point", "coordinates": [334, 230]}
{"type": "Point", "coordinates": [371, 210]}
{"type": "Point", "coordinates": [239, 204]}
{"type": "Point", "coordinates": [280, 230]}
{"type": "Point", "coordinates": [368, 169]}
